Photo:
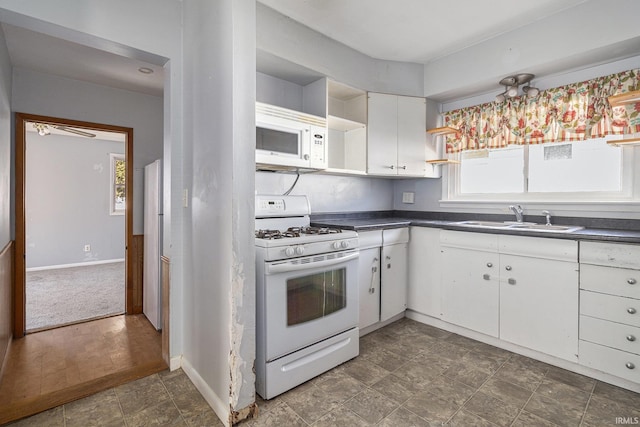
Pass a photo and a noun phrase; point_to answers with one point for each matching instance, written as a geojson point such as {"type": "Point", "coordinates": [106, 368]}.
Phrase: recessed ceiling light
{"type": "Point", "coordinates": [145, 70]}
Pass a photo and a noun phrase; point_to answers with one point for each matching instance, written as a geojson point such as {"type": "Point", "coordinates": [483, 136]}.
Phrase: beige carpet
{"type": "Point", "coordinates": [68, 295]}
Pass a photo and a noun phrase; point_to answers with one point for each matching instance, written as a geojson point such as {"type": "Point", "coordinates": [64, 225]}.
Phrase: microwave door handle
{"type": "Point", "coordinates": [285, 267]}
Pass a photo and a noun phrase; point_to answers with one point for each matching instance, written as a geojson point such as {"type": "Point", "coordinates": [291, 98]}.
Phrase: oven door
{"type": "Point", "coordinates": [309, 299]}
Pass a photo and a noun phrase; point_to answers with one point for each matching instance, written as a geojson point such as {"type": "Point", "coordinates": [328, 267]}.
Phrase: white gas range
{"type": "Point", "coordinates": [306, 295]}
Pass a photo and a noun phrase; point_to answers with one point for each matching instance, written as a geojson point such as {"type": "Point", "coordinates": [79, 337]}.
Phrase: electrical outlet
{"type": "Point", "coordinates": [87, 248]}
{"type": "Point", "coordinates": [407, 196]}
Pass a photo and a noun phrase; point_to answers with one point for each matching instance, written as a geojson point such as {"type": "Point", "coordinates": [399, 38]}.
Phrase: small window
{"type": "Point", "coordinates": [492, 171]}
{"type": "Point", "coordinates": [118, 181]}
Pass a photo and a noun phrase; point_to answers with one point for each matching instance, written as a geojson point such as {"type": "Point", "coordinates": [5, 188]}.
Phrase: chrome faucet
{"type": "Point", "coordinates": [548, 215]}
{"type": "Point", "coordinates": [517, 210]}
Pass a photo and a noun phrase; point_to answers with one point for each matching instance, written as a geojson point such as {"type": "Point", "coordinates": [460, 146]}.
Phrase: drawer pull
{"type": "Point", "coordinates": [630, 365]}
{"type": "Point", "coordinates": [508, 268]}
{"type": "Point", "coordinates": [631, 338]}
{"type": "Point", "coordinates": [489, 264]}
{"type": "Point", "coordinates": [631, 310]}
{"type": "Point", "coordinates": [631, 281]}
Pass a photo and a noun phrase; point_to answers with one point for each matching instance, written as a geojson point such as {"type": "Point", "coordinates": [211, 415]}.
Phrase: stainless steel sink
{"type": "Point", "coordinates": [549, 228]}
{"type": "Point", "coordinates": [485, 224]}
{"type": "Point", "coordinates": [521, 226]}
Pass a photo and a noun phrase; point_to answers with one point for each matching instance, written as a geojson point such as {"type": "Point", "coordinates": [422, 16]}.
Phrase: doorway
{"type": "Point", "coordinates": [30, 257]}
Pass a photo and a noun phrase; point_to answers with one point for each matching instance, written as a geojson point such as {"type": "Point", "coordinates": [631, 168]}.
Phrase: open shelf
{"type": "Point", "coordinates": [445, 130]}
{"type": "Point", "coordinates": [443, 162]}
{"type": "Point", "coordinates": [343, 125]}
{"type": "Point", "coordinates": [624, 98]}
{"type": "Point", "coordinates": [624, 142]}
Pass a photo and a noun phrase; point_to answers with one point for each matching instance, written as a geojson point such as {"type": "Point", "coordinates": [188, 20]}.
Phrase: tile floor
{"type": "Point", "coordinates": [408, 374]}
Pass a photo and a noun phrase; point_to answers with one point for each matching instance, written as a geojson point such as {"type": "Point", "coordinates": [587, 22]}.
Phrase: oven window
{"type": "Point", "coordinates": [316, 295]}
{"type": "Point", "coordinates": [277, 141]}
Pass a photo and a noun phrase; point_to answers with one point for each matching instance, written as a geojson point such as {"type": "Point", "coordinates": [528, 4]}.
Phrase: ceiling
{"type": "Point", "coordinates": [416, 31]}
{"type": "Point", "coordinates": [43, 53]}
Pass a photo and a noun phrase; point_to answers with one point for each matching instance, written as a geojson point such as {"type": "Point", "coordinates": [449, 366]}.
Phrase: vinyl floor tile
{"type": "Point", "coordinates": [446, 380]}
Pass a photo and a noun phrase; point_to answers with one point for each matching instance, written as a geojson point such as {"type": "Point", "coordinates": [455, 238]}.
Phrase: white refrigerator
{"type": "Point", "coordinates": [152, 284]}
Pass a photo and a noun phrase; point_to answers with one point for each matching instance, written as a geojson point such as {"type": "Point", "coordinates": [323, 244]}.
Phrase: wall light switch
{"type": "Point", "coordinates": [407, 196]}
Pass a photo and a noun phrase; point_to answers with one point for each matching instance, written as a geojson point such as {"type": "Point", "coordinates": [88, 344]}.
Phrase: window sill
{"type": "Point", "coordinates": [605, 208]}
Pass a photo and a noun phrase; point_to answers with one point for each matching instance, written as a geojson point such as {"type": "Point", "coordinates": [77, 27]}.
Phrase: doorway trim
{"type": "Point", "coordinates": [19, 300]}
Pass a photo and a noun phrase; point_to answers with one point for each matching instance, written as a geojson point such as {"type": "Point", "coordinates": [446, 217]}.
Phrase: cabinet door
{"type": "Point", "coordinates": [382, 134]}
{"type": "Point", "coordinates": [423, 293]}
{"type": "Point", "coordinates": [412, 135]}
{"type": "Point", "coordinates": [470, 289]}
{"type": "Point", "coordinates": [393, 297]}
{"type": "Point", "coordinates": [539, 304]}
{"type": "Point", "coordinates": [369, 286]}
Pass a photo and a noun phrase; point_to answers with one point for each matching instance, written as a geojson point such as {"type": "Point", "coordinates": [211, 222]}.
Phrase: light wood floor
{"type": "Point", "coordinates": [50, 368]}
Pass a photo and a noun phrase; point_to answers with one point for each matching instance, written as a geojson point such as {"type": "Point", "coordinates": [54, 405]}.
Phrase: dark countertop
{"type": "Point", "coordinates": [359, 223]}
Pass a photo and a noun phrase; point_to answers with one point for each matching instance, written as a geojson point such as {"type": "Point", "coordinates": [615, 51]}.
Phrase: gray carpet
{"type": "Point", "coordinates": [67, 295]}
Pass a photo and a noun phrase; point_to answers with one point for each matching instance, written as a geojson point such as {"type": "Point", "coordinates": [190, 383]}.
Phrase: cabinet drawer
{"type": "Point", "coordinates": [467, 240]}
{"type": "Point", "coordinates": [611, 334]}
{"type": "Point", "coordinates": [393, 236]}
{"type": "Point", "coordinates": [610, 280]}
{"type": "Point", "coordinates": [610, 254]}
{"type": "Point", "coordinates": [608, 307]}
{"type": "Point", "coordinates": [369, 239]}
{"type": "Point", "coordinates": [539, 247]}
{"type": "Point", "coordinates": [610, 360]}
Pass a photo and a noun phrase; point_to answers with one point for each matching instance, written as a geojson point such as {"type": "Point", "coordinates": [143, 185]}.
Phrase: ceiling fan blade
{"type": "Point", "coordinates": [76, 131]}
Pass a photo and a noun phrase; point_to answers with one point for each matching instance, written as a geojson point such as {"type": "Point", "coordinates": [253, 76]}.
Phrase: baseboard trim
{"type": "Point", "coordinates": [551, 360]}
{"type": "Point", "coordinates": [175, 363]}
{"type": "Point", "coordinates": [77, 264]}
{"type": "Point", "coordinates": [219, 407]}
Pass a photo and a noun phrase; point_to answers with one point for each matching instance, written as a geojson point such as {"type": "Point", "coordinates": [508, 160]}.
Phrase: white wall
{"type": "Point", "coordinates": [68, 183]}
{"type": "Point", "coordinates": [595, 31]}
{"type": "Point", "coordinates": [78, 100]}
{"type": "Point", "coordinates": [5, 143]}
{"type": "Point", "coordinates": [219, 281]}
{"type": "Point", "coordinates": [329, 194]}
{"type": "Point", "coordinates": [281, 36]}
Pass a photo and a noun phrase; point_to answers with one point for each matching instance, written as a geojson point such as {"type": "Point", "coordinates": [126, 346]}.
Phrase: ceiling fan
{"type": "Point", "coordinates": [44, 129]}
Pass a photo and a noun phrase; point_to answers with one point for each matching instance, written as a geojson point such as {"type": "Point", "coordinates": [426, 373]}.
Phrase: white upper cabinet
{"type": "Point", "coordinates": [396, 135]}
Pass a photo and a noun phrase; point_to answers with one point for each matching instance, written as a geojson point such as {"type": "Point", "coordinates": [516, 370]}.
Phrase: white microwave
{"type": "Point", "coordinates": [288, 138]}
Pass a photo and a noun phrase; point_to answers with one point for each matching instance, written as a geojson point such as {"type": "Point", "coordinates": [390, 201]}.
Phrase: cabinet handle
{"type": "Point", "coordinates": [631, 338]}
{"type": "Point", "coordinates": [630, 365]}
{"type": "Point", "coordinates": [508, 268]}
{"type": "Point", "coordinates": [631, 281]}
{"type": "Point", "coordinates": [392, 167]}
{"type": "Point", "coordinates": [631, 310]}
{"type": "Point", "coordinates": [402, 167]}
{"type": "Point", "coordinates": [486, 277]}
{"type": "Point", "coordinates": [489, 264]}
{"type": "Point", "coordinates": [511, 281]}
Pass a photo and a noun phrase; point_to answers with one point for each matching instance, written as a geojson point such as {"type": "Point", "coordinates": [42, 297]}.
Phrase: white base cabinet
{"type": "Point", "coordinates": [523, 290]}
{"type": "Point", "coordinates": [370, 244]}
{"type": "Point", "coordinates": [394, 278]}
{"type": "Point", "coordinates": [382, 275]}
{"type": "Point", "coordinates": [423, 291]}
{"type": "Point", "coordinates": [610, 308]}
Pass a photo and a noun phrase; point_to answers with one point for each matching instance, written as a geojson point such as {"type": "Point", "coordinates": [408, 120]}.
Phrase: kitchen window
{"type": "Point", "coordinates": [117, 202]}
{"type": "Point", "coordinates": [590, 171]}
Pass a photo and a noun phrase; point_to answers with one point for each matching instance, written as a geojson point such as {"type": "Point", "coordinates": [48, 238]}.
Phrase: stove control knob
{"type": "Point", "coordinates": [289, 251]}
{"type": "Point", "coordinates": [345, 244]}
{"type": "Point", "coordinates": [299, 250]}
{"type": "Point", "coordinates": [336, 245]}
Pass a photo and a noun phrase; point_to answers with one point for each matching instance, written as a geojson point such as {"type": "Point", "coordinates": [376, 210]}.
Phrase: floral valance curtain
{"type": "Point", "coordinates": [573, 112]}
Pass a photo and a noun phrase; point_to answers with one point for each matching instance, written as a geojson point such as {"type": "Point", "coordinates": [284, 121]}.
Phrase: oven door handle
{"type": "Point", "coordinates": [287, 266]}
